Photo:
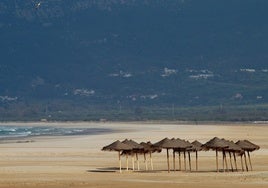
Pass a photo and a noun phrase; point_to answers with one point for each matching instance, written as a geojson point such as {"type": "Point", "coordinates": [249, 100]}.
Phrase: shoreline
{"type": "Point", "coordinates": [107, 128]}
{"type": "Point", "coordinates": [151, 122]}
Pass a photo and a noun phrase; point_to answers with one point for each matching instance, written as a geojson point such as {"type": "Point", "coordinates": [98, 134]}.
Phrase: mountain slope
{"type": "Point", "coordinates": [133, 53]}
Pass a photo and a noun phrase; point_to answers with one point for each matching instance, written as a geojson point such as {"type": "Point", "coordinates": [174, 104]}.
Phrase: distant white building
{"type": "Point", "coordinates": [248, 70]}
{"type": "Point", "coordinates": [7, 98]}
{"type": "Point", "coordinates": [83, 92]}
{"type": "Point", "coordinates": [238, 96]}
{"type": "Point", "coordinates": [168, 72]}
{"type": "Point", "coordinates": [121, 74]}
{"type": "Point", "coordinates": [259, 97]}
{"type": "Point", "coordinates": [201, 76]}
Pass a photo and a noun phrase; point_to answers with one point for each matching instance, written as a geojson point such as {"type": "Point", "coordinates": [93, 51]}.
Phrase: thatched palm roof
{"type": "Point", "coordinates": [117, 146]}
{"type": "Point", "coordinates": [133, 144]}
{"type": "Point", "coordinates": [197, 146]}
{"type": "Point", "coordinates": [256, 146]}
{"type": "Point", "coordinates": [215, 144]}
{"type": "Point", "coordinates": [172, 144]}
{"type": "Point", "coordinates": [232, 146]}
{"type": "Point", "coordinates": [149, 147]}
{"type": "Point", "coordinates": [247, 146]}
{"type": "Point", "coordinates": [161, 143]}
{"type": "Point", "coordinates": [182, 144]}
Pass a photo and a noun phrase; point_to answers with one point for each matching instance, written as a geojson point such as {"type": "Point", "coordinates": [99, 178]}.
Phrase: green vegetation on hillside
{"type": "Point", "coordinates": [67, 112]}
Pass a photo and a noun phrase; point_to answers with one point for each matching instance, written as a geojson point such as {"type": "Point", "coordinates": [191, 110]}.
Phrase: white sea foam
{"type": "Point", "coordinates": [11, 132]}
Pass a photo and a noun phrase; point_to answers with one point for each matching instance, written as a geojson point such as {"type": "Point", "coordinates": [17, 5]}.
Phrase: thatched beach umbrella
{"type": "Point", "coordinates": [166, 143]}
{"type": "Point", "coordinates": [136, 149]}
{"type": "Point", "coordinates": [197, 146]}
{"type": "Point", "coordinates": [217, 145]}
{"type": "Point", "coordinates": [189, 150]}
{"type": "Point", "coordinates": [180, 145]}
{"type": "Point", "coordinates": [255, 147]}
{"type": "Point", "coordinates": [233, 148]}
{"type": "Point", "coordinates": [146, 149]}
{"type": "Point", "coordinates": [187, 147]}
{"type": "Point", "coordinates": [149, 148]}
{"type": "Point", "coordinates": [117, 146]}
{"type": "Point", "coordinates": [248, 147]}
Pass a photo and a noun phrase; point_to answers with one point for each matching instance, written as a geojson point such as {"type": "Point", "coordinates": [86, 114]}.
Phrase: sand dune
{"type": "Point", "coordinates": [77, 161]}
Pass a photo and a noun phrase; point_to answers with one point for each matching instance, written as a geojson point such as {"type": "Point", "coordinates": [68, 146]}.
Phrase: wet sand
{"type": "Point", "coordinates": [77, 161]}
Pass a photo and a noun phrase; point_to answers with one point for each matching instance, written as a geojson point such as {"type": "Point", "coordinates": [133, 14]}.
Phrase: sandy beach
{"type": "Point", "coordinates": [77, 161]}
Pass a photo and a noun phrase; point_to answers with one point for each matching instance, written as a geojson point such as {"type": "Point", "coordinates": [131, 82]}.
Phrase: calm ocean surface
{"type": "Point", "coordinates": [14, 131]}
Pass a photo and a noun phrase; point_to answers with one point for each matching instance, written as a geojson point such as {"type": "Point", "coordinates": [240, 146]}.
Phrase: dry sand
{"type": "Point", "coordinates": [77, 161]}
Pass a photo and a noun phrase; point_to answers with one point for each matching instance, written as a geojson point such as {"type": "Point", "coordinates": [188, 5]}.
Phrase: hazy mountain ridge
{"type": "Point", "coordinates": [50, 9]}
{"type": "Point", "coordinates": [133, 52]}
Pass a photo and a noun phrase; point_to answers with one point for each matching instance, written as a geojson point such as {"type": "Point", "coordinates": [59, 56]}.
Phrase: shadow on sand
{"type": "Point", "coordinates": [104, 170]}
{"type": "Point", "coordinates": [116, 169]}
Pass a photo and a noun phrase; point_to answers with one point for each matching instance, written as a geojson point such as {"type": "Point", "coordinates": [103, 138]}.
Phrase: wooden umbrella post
{"type": "Point", "coordinates": [250, 161]}
{"type": "Point", "coordinates": [217, 164]}
{"type": "Point", "coordinates": [231, 161]}
{"type": "Point", "coordinates": [151, 160]}
{"type": "Point", "coordinates": [223, 166]}
{"type": "Point", "coordinates": [245, 157]}
{"type": "Point", "coordinates": [190, 165]}
{"type": "Point", "coordinates": [196, 160]}
{"type": "Point", "coordinates": [242, 166]}
{"type": "Point", "coordinates": [227, 168]}
{"type": "Point", "coordinates": [120, 165]}
{"type": "Point", "coordinates": [138, 164]}
{"type": "Point", "coordinates": [127, 161]}
{"type": "Point", "coordinates": [133, 163]}
{"type": "Point", "coordinates": [235, 161]}
{"type": "Point", "coordinates": [174, 161]}
{"type": "Point", "coordinates": [168, 161]}
{"type": "Point", "coordinates": [179, 160]}
{"type": "Point", "coordinates": [145, 160]}
{"type": "Point", "coordinates": [184, 155]}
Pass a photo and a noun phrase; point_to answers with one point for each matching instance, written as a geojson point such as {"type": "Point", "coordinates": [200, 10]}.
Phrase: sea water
{"type": "Point", "coordinates": [25, 131]}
